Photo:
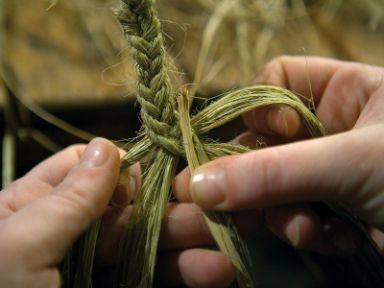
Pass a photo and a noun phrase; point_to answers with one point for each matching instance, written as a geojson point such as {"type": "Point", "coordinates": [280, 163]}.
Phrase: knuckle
{"type": "Point", "coordinates": [76, 147]}
{"type": "Point", "coordinates": [270, 171]}
{"type": "Point", "coordinates": [77, 198]}
{"type": "Point", "coordinates": [265, 176]}
{"type": "Point", "coordinates": [274, 72]}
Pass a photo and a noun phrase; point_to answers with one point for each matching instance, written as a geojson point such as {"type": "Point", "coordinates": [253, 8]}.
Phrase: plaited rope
{"type": "Point", "coordinates": [141, 27]}
{"type": "Point", "coordinates": [160, 145]}
{"type": "Point", "coordinates": [163, 142]}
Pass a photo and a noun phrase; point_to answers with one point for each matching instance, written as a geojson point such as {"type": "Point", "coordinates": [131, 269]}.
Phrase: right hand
{"type": "Point", "coordinates": [345, 166]}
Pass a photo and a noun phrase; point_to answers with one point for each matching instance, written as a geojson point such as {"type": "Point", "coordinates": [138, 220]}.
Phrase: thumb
{"type": "Point", "coordinates": [60, 217]}
{"type": "Point", "coordinates": [340, 167]}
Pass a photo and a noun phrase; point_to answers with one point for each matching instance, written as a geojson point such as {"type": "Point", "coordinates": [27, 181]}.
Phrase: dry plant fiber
{"type": "Point", "coordinates": [161, 146]}
{"type": "Point", "coordinates": [168, 133]}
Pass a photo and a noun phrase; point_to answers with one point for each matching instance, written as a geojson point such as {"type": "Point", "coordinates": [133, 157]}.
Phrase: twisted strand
{"type": "Point", "coordinates": [161, 141]}
{"type": "Point", "coordinates": [141, 28]}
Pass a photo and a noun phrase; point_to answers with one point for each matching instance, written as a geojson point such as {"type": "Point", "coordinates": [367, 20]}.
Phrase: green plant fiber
{"type": "Point", "coordinates": [168, 133]}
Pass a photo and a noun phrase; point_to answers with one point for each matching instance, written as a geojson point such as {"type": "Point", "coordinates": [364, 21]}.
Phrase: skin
{"type": "Point", "coordinates": [44, 212]}
{"type": "Point", "coordinates": [345, 166]}
{"type": "Point", "coordinates": [66, 193]}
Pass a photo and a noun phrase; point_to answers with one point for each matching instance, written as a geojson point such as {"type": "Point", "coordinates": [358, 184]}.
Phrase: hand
{"type": "Point", "coordinates": [44, 212]}
{"type": "Point", "coordinates": [345, 166]}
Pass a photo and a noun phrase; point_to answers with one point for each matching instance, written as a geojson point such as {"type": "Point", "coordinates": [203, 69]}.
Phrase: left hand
{"type": "Point", "coordinates": [44, 212]}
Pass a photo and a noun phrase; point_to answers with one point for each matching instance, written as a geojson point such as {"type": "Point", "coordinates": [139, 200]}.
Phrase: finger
{"type": "Point", "coordinates": [338, 89]}
{"type": "Point", "coordinates": [250, 139]}
{"type": "Point", "coordinates": [49, 173]}
{"type": "Point", "coordinates": [113, 226]}
{"type": "Point", "coordinates": [39, 181]}
{"type": "Point", "coordinates": [296, 224]}
{"type": "Point", "coordinates": [128, 185]}
{"type": "Point", "coordinates": [21, 192]}
{"type": "Point", "coordinates": [378, 237]}
{"type": "Point", "coordinates": [300, 226]}
{"type": "Point", "coordinates": [174, 234]}
{"type": "Point", "coordinates": [71, 207]}
{"type": "Point", "coordinates": [54, 169]}
{"type": "Point", "coordinates": [257, 141]}
{"type": "Point", "coordinates": [284, 174]}
{"type": "Point", "coordinates": [277, 120]}
{"type": "Point", "coordinates": [195, 268]}
{"type": "Point", "coordinates": [180, 186]}
{"type": "Point", "coordinates": [303, 75]}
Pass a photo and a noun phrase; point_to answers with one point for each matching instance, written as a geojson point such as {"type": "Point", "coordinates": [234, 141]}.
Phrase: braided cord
{"type": "Point", "coordinates": [141, 28]}
{"type": "Point", "coordinates": [160, 146]}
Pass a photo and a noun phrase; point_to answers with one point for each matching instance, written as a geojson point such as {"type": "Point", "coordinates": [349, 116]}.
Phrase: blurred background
{"type": "Point", "coordinates": [66, 76]}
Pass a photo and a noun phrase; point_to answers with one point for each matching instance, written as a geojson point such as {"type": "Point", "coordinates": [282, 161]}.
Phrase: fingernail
{"type": "Point", "coordinates": [292, 232]}
{"type": "Point", "coordinates": [277, 122]}
{"type": "Point", "coordinates": [284, 121]}
{"type": "Point", "coordinates": [251, 140]}
{"type": "Point", "coordinates": [96, 153]}
{"type": "Point", "coordinates": [125, 190]}
{"type": "Point", "coordinates": [208, 187]}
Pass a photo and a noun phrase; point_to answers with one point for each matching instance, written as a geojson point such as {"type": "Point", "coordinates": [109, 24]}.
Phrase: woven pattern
{"type": "Point", "coordinates": [161, 143]}
{"type": "Point", "coordinates": [154, 92]}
